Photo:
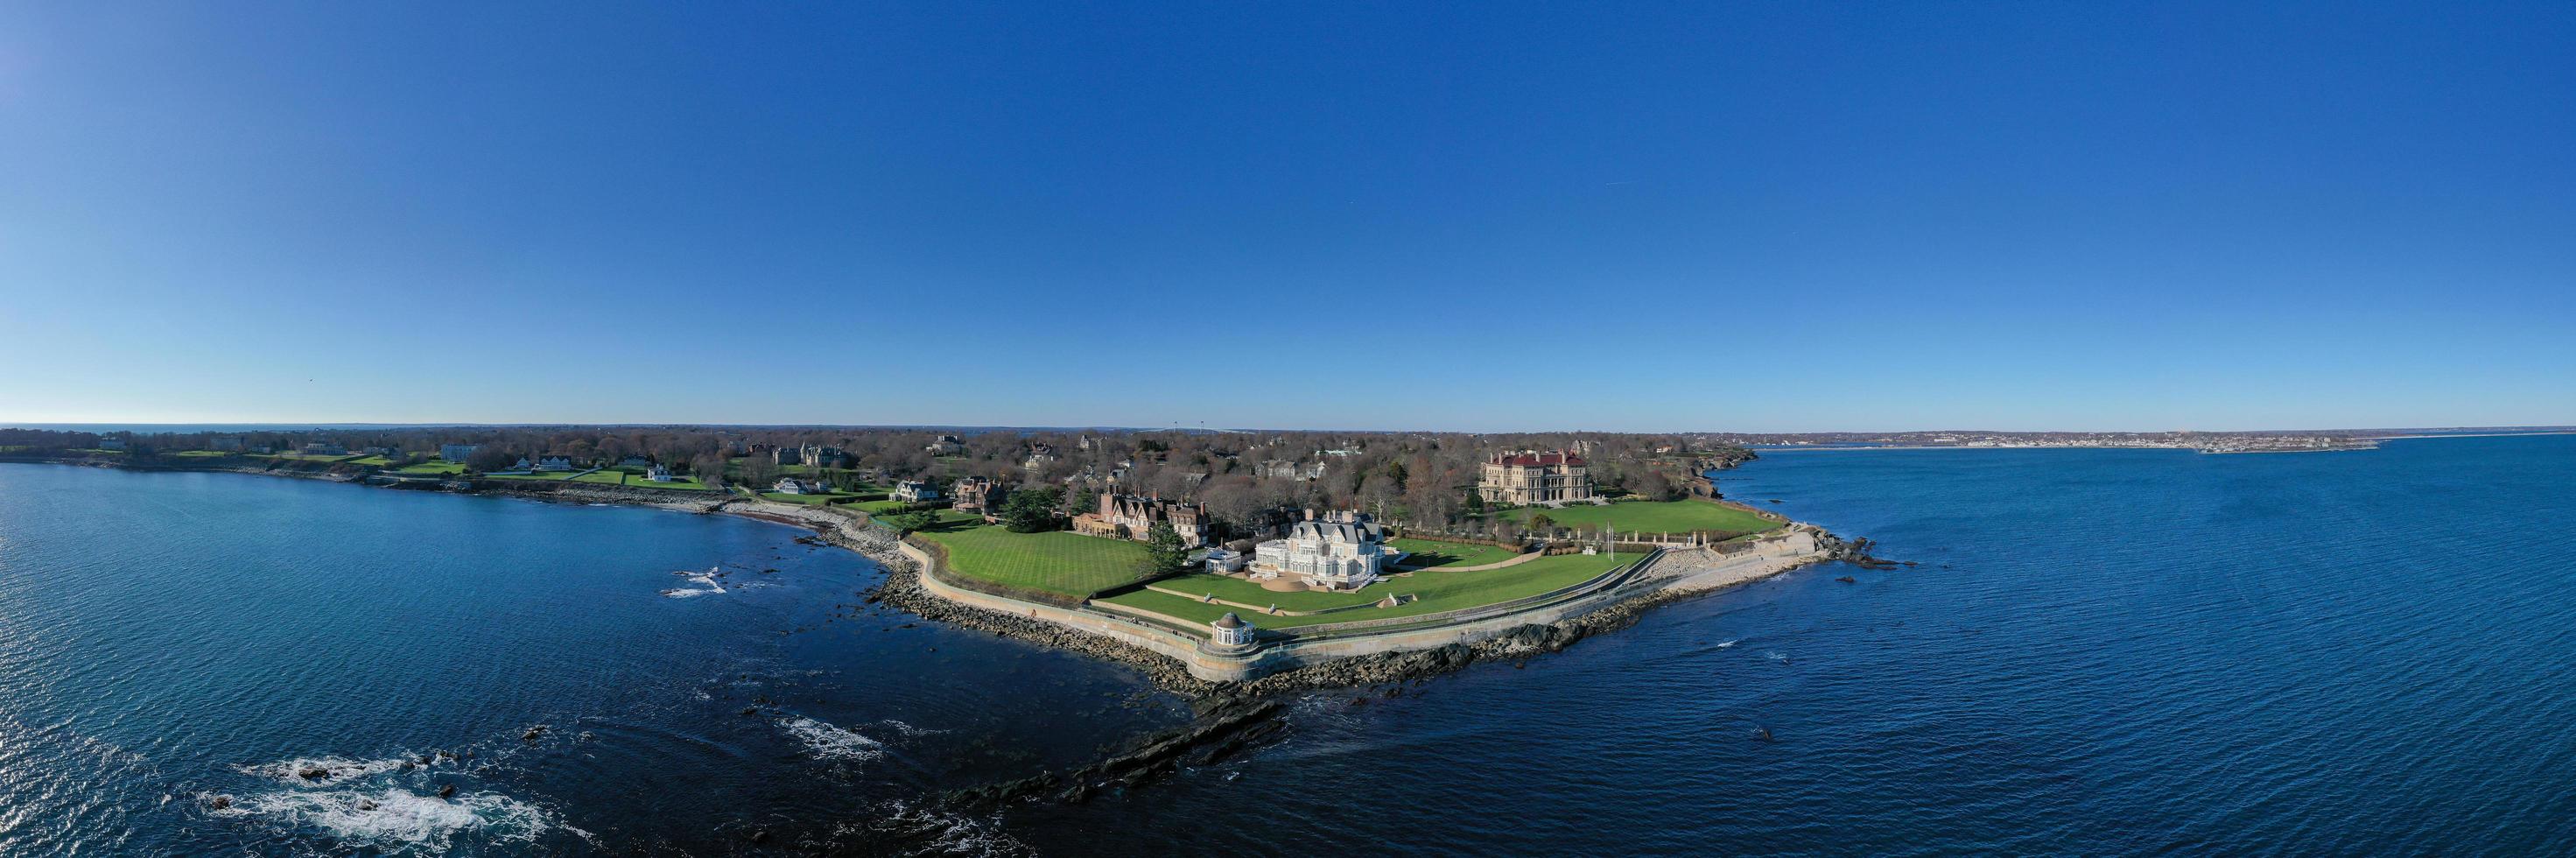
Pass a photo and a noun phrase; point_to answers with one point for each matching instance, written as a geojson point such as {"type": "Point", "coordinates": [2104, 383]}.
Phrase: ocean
{"type": "Point", "coordinates": [2097, 652]}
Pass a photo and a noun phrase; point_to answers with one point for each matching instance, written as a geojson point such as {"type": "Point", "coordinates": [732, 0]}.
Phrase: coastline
{"type": "Point", "coordinates": [902, 588]}
{"type": "Point", "coordinates": [1231, 716]}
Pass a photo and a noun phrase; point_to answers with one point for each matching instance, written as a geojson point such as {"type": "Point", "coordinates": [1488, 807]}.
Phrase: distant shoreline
{"type": "Point", "coordinates": [2372, 443]}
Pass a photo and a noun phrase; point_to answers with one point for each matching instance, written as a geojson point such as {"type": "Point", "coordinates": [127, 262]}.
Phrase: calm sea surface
{"type": "Point", "coordinates": [2101, 652]}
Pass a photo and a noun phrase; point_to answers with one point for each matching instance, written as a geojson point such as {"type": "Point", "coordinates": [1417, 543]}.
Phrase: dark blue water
{"type": "Point", "coordinates": [2102, 652]}
{"type": "Point", "coordinates": [169, 638]}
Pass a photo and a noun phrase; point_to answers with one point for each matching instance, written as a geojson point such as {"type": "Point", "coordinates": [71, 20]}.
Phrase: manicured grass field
{"type": "Point", "coordinates": [200, 454]}
{"type": "Point", "coordinates": [877, 506]}
{"type": "Point", "coordinates": [1439, 591]}
{"type": "Point", "coordinates": [808, 500]}
{"type": "Point", "coordinates": [305, 457]}
{"type": "Point", "coordinates": [1682, 516]}
{"type": "Point", "coordinates": [378, 461]}
{"type": "Point", "coordinates": [1433, 553]}
{"type": "Point", "coordinates": [1055, 561]}
{"type": "Point", "coordinates": [635, 477]}
{"type": "Point", "coordinates": [548, 476]}
{"type": "Point", "coordinates": [432, 468]}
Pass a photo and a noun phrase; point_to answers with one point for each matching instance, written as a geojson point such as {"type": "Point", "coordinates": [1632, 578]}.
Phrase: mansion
{"type": "Point", "coordinates": [1529, 478]}
{"type": "Point", "coordinates": [1131, 516]}
{"type": "Point", "coordinates": [978, 494]}
{"type": "Point", "coordinates": [1339, 551]}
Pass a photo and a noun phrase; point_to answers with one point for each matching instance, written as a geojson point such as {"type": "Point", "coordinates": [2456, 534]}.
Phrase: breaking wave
{"type": "Point", "coordinates": [707, 584]}
{"type": "Point", "coordinates": [827, 742]}
{"type": "Point", "coordinates": [350, 801]}
{"type": "Point", "coordinates": [323, 771]}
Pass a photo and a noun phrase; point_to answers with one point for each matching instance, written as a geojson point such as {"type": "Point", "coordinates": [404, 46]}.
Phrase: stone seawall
{"type": "Point", "coordinates": [1671, 573]}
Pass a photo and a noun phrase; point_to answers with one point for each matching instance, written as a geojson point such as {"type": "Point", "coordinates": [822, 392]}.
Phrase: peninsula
{"type": "Point", "coordinates": [1205, 557]}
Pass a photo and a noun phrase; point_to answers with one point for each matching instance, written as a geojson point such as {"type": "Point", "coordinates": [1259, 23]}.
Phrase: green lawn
{"type": "Point", "coordinates": [1439, 591]}
{"type": "Point", "coordinates": [1432, 553]}
{"type": "Point", "coordinates": [433, 468]}
{"type": "Point", "coordinates": [1682, 516]}
{"type": "Point", "coordinates": [200, 454]}
{"type": "Point", "coordinates": [378, 461]}
{"type": "Point", "coordinates": [635, 477]}
{"type": "Point", "coordinates": [548, 476]}
{"type": "Point", "coordinates": [1055, 561]}
{"type": "Point", "coordinates": [808, 500]}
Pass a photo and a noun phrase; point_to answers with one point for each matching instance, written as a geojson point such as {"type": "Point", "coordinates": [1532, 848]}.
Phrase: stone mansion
{"type": "Point", "coordinates": [1530, 477]}
{"type": "Point", "coordinates": [1339, 551]}
{"type": "Point", "coordinates": [1133, 516]}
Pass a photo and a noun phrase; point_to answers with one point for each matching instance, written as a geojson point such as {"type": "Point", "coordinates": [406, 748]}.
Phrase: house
{"type": "Point", "coordinates": [915, 491]}
{"type": "Point", "coordinates": [111, 443]}
{"type": "Point", "coordinates": [784, 455]}
{"type": "Point", "coordinates": [1287, 469]}
{"type": "Point", "coordinates": [523, 465]}
{"type": "Point", "coordinates": [554, 463]}
{"type": "Point", "coordinates": [658, 474]}
{"type": "Point", "coordinates": [820, 456]}
{"type": "Point", "coordinates": [977, 494]}
{"type": "Point", "coordinates": [324, 448]}
{"type": "Point", "coordinates": [1133, 517]}
{"type": "Point", "coordinates": [1040, 455]}
{"type": "Point", "coordinates": [1339, 551]}
{"type": "Point", "coordinates": [457, 452]}
{"type": "Point", "coordinates": [1221, 561]}
{"type": "Point", "coordinates": [947, 445]}
{"type": "Point", "coordinates": [794, 486]}
{"type": "Point", "coordinates": [1532, 477]}
{"type": "Point", "coordinates": [387, 452]}
{"type": "Point", "coordinates": [225, 443]}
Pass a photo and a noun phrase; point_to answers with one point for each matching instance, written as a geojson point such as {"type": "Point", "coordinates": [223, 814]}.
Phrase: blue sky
{"type": "Point", "coordinates": [1481, 216]}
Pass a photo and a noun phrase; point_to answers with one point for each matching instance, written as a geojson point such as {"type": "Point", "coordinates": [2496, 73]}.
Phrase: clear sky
{"type": "Point", "coordinates": [1478, 216]}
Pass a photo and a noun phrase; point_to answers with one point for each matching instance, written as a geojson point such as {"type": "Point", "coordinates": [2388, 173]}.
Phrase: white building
{"type": "Point", "coordinates": [794, 486]}
{"type": "Point", "coordinates": [554, 463]}
{"type": "Point", "coordinates": [658, 474]}
{"type": "Point", "coordinates": [457, 452]}
{"type": "Point", "coordinates": [915, 491]}
{"type": "Point", "coordinates": [1231, 630]}
{"type": "Point", "coordinates": [1341, 551]}
{"type": "Point", "coordinates": [1221, 561]}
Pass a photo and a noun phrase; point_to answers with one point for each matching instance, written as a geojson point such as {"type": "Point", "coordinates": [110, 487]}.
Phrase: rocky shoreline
{"type": "Point", "coordinates": [1231, 716]}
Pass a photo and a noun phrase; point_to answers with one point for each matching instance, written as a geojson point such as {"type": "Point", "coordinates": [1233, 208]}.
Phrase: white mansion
{"type": "Point", "coordinates": [1340, 551]}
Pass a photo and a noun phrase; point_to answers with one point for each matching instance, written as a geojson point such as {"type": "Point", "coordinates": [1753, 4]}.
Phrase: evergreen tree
{"type": "Point", "coordinates": [1164, 552]}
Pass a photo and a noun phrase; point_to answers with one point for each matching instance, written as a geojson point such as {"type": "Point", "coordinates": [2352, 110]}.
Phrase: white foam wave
{"type": "Point", "coordinates": [827, 742]}
{"type": "Point", "coordinates": [932, 832]}
{"type": "Point", "coordinates": [400, 820]}
{"type": "Point", "coordinates": [329, 770]}
{"type": "Point", "coordinates": [709, 586]}
{"type": "Point", "coordinates": [908, 731]}
{"type": "Point", "coordinates": [1726, 644]}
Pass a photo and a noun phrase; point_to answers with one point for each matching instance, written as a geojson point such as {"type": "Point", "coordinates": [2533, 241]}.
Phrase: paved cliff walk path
{"type": "Point", "coordinates": [1516, 560]}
